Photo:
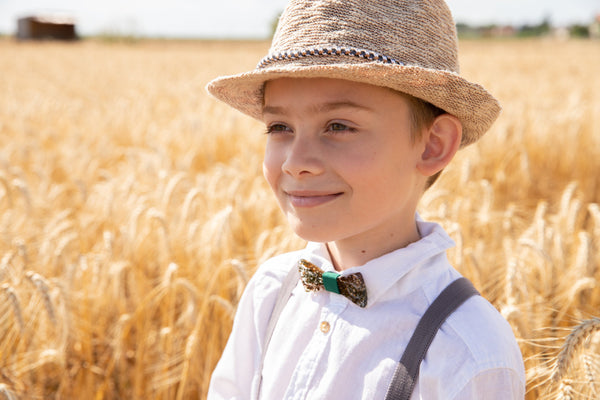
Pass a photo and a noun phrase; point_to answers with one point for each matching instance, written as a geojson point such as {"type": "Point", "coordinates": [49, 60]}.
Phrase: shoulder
{"type": "Point", "coordinates": [259, 297]}
{"type": "Point", "coordinates": [269, 276]}
{"type": "Point", "coordinates": [277, 267]}
{"type": "Point", "coordinates": [474, 340]}
{"type": "Point", "coordinates": [487, 336]}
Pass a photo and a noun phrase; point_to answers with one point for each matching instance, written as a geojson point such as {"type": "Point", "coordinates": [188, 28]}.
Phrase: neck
{"type": "Point", "coordinates": [353, 252]}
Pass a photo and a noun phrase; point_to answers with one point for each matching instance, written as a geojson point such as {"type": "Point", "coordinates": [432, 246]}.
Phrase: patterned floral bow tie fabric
{"type": "Point", "coordinates": [351, 286]}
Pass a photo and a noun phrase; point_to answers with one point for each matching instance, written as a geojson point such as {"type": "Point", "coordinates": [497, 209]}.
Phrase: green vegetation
{"type": "Point", "coordinates": [544, 28]}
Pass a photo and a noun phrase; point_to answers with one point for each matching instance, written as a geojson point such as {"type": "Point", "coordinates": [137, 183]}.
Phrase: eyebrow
{"type": "Point", "coordinates": [319, 108]}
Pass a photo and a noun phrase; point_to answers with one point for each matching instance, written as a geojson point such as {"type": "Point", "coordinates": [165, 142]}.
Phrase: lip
{"type": "Point", "coordinates": [306, 199]}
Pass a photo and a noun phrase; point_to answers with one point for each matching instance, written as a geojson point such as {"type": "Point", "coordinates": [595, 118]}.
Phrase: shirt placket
{"type": "Point", "coordinates": [311, 365]}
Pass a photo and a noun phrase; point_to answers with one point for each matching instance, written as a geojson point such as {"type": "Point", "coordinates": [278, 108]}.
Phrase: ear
{"type": "Point", "coordinates": [441, 142]}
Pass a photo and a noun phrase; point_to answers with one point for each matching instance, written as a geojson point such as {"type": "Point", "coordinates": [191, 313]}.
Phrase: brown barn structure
{"type": "Point", "coordinates": [46, 27]}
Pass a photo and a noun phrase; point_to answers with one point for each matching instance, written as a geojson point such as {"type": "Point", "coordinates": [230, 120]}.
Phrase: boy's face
{"type": "Point", "coordinates": [340, 160]}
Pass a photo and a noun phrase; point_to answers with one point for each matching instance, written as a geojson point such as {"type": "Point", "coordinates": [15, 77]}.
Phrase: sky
{"type": "Point", "coordinates": [253, 18]}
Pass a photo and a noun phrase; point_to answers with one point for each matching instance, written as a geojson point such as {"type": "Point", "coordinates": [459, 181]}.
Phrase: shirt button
{"type": "Point", "coordinates": [324, 326]}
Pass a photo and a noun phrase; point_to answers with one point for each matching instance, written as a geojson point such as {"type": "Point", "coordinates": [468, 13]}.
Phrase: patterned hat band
{"type": "Point", "coordinates": [327, 51]}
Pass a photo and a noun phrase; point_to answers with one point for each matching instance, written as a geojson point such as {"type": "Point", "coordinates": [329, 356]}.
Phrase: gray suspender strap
{"type": "Point", "coordinates": [287, 286]}
{"type": "Point", "coordinates": [407, 371]}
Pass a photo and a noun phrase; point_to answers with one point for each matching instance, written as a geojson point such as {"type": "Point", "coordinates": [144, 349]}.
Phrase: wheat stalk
{"type": "Point", "coordinates": [44, 290]}
{"type": "Point", "coordinates": [7, 191]}
{"type": "Point", "coordinates": [594, 210]}
{"type": "Point", "coordinates": [512, 268]}
{"type": "Point", "coordinates": [109, 242]}
{"type": "Point", "coordinates": [190, 197]}
{"type": "Point", "coordinates": [6, 393]}
{"type": "Point", "coordinates": [590, 370]}
{"type": "Point", "coordinates": [572, 218]}
{"type": "Point", "coordinates": [40, 358]}
{"type": "Point", "coordinates": [582, 266]}
{"type": "Point", "coordinates": [581, 285]}
{"type": "Point", "coordinates": [572, 345]}
{"type": "Point", "coordinates": [241, 274]}
{"type": "Point", "coordinates": [525, 166]}
{"type": "Point", "coordinates": [514, 316]}
{"type": "Point", "coordinates": [22, 187]}
{"type": "Point", "coordinates": [189, 316]}
{"type": "Point", "coordinates": [15, 303]}
{"type": "Point", "coordinates": [22, 250]}
{"type": "Point", "coordinates": [565, 390]}
{"type": "Point", "coordinates": [190, 349]}
{"type": "Point", "coordinates": [5, 264]}
{"type": "Point", "coordinates": [62, 245]}
{"type": "Point", "coordinates": [567, 198]}
{"type": "Point", "coordinates": [169, 275]}
{"type": "Point", "coordinates": [539, 224]}
{"type": "Point", "coordinates": [170, 188]}
{"type": "Point", "coordinates": [156, 215]}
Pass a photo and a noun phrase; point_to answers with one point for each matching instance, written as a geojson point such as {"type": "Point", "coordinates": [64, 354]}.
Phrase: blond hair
{"type": "Point", "coordinates": [422, 115]}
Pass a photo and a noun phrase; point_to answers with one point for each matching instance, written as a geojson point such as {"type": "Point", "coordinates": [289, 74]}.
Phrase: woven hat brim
{"type": "Point", "coordinates": [474, 106]}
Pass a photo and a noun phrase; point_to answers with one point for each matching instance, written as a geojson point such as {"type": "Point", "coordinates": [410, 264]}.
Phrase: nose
{"type": "Point", "coordinates": [303, 157]}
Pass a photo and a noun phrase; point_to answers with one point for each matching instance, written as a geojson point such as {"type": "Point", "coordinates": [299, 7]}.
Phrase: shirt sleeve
{"type": "Point", "coordinates": [232, 377]}
{"type": "Point", "coordinates": [236, 373]}
{"type": "Point", "coordinates": [494, 384]}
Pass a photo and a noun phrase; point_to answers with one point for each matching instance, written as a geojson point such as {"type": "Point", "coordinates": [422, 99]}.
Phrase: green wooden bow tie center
{"type": "Point", "coordinates": [330, 281]}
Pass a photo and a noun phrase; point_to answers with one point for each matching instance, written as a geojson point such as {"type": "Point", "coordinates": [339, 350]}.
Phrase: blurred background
{"type": "Point", "coordinates": [254, 19]}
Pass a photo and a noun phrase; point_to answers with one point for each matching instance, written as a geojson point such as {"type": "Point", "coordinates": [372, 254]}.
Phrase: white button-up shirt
{"type": "Point", "coordinates": [326, 347]}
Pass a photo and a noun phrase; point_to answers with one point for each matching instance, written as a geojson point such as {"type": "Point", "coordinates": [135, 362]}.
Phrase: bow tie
{"type": "Point", "coordinates": [352, 286]}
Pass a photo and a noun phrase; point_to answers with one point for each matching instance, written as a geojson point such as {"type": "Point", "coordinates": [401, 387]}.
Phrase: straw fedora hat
{"type": "Point", "coordinates": [406, 45]}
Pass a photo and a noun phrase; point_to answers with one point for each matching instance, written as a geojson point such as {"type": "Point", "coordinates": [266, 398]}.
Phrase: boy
{"type": "Point", "coordinates": [364, 107]}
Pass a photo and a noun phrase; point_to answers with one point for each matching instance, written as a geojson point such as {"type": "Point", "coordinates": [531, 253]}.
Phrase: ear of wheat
{"type": "Point", "coordinates": [573, 345]}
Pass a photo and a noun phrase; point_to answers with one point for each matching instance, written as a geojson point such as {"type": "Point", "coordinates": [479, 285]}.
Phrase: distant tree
{"type": "Point", "coordinates": [580, 31]}
{"type": "Point", "coordinates": [467, 31]}
{"type": "Point", "coordinates": [536, 30]}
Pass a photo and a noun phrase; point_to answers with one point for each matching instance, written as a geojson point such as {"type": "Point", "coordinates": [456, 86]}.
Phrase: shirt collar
{"type": "Point", "coordinates": [383, 272]}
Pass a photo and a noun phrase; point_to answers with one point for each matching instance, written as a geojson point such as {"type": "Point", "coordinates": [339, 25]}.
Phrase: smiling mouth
{"type": "Point", "coordinates": [308, 199]}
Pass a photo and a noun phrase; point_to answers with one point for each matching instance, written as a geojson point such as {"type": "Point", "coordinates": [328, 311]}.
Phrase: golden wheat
{"type": "Point", "coordinates": [572, 345]}
{"type": "Point", "coordinates": [133, 212]}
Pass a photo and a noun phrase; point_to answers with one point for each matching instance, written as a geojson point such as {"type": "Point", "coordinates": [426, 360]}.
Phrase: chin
{"type": "Point", "coordinates": [312, 234]}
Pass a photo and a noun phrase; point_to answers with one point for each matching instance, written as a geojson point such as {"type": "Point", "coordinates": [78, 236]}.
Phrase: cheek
{"type": "Point", "coordinates": [271, 168]}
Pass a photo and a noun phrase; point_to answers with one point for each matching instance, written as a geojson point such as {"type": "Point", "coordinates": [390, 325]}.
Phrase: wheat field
{"type": "Point", "coordinates": [133, 211]}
